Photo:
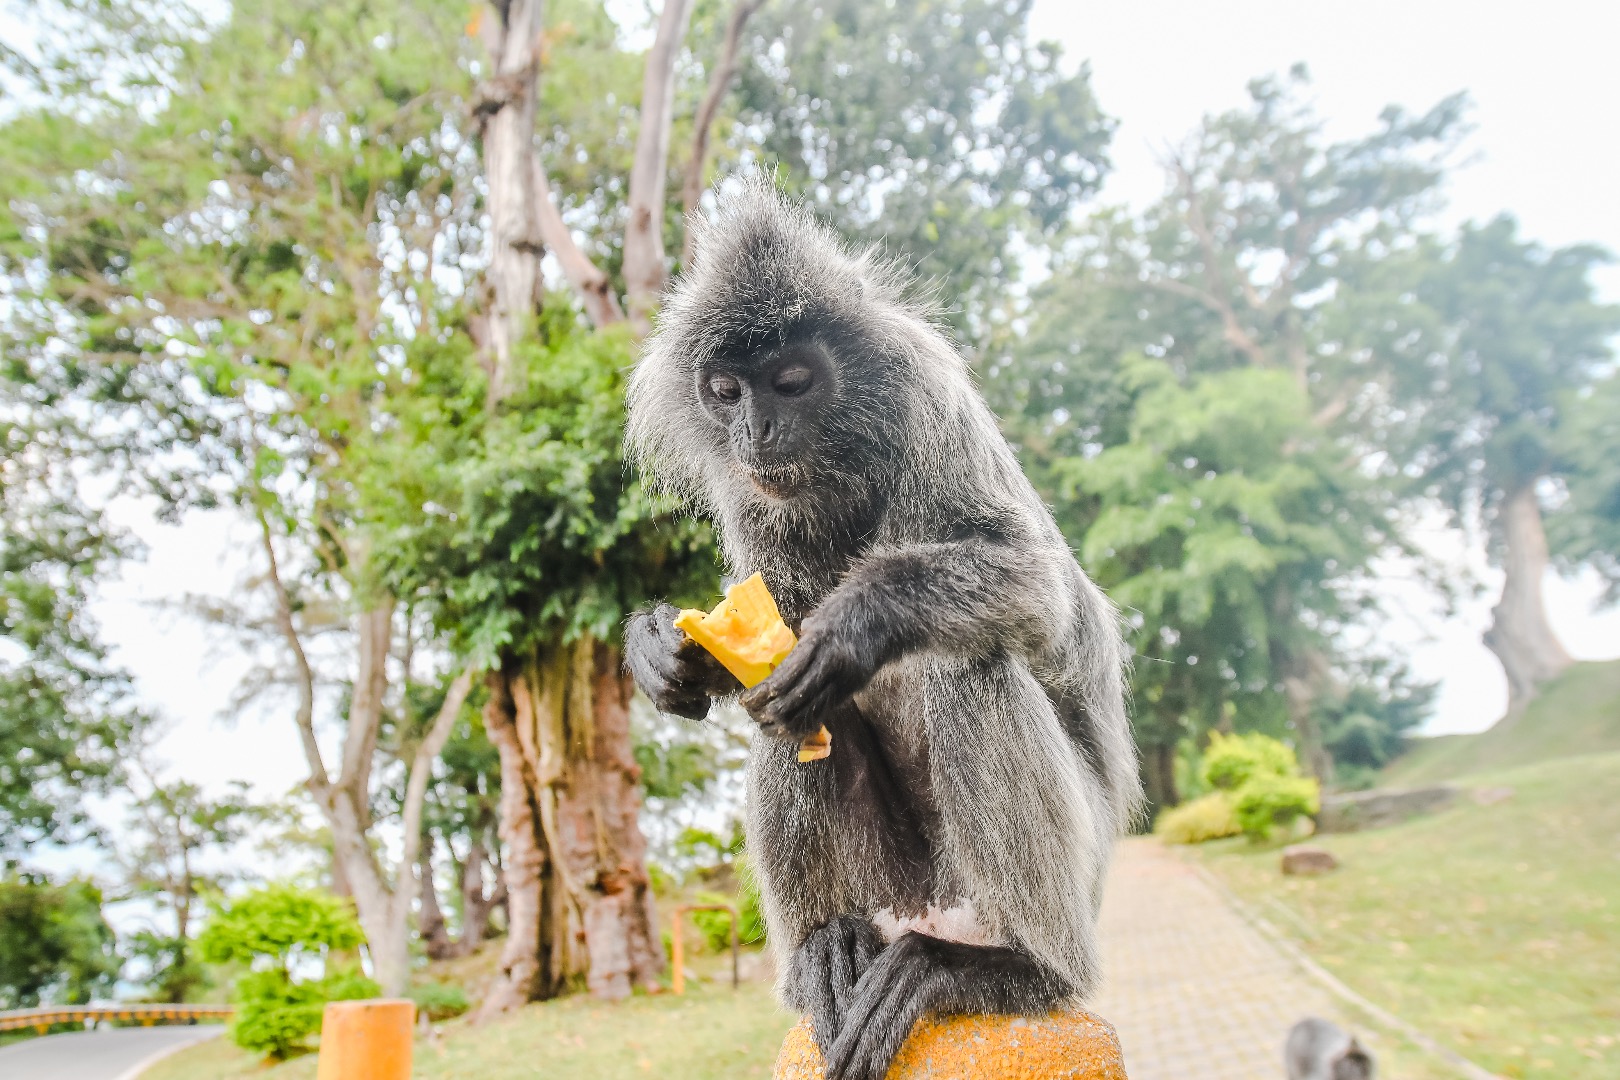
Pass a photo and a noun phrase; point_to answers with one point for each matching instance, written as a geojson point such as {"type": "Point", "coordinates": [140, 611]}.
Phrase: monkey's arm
{"type": "Point", "coordinates": [976, 597]}
{"type": "Point", "coordinates": [678, 674]}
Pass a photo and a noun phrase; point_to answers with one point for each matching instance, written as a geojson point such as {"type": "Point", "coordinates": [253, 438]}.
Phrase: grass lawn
{"type": "Point", "coordinates": [712, 1033]}
{"type": "Point", "coordinates": [1494, 928]}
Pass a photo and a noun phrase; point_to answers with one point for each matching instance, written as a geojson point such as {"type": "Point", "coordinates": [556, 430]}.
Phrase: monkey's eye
{"type": "Point", "coordinates": [725, 387]}
{"type": "Point", "coordinates": [792, 381]}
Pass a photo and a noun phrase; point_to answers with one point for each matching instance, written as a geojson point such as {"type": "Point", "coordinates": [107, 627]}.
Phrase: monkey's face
{"type": "Point", "coordinates": [774, 405]}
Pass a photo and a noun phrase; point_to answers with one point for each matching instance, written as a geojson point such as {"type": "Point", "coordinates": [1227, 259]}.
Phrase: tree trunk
{"type": "Point", "coordinates": [1304, 673]}
{"type": "Point", "coordinates": [475, 905]}
{"type": "Point", "coordinates": [644, 269]}
{"type": "Point", "coordinates": [430, 924]}
{"type": "Point", "coordinates": [1520, 635]}
{"type": "Point", "coordinates": [725, 69]}
{"type": "Point", "coordinates": [1159, 777]}
{"type": "Point", "coordinates": [506, 102]}
{"type": "Point", "coordinates": [570, 791]}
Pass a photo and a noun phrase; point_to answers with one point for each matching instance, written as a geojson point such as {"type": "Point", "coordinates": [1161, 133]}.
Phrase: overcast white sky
{"type": "Point", "coordinates": [1545, 83]}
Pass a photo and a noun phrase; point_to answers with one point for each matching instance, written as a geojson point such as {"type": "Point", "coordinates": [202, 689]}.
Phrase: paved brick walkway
{"type": "Point", "coordinates": [1196, 993]}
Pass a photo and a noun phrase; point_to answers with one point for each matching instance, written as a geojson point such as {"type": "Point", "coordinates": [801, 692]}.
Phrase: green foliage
{"type": "Point", "coordinates": [1366, 723]}
{"type": "Point", "coordinates": [1585, 530]}
{"type": "Point", "coordinates": [275, 1014]}
{"type": "Point", "coordinates": [440, 1001]}
{"type": "Point", "coordinates": [1193, 394]}
{"type": "Point", "coordinates": [715, 926]}
{"type": "Point", "coordinates": [1207, 818]}
{"type": "Point", "coordinates": [281, 923]}
{"type": "Point", "coordinates": [1232, 761]}
{"type": "Point", "coordinates": [532, 535]}
{"type": "Point", "coordinates": [1522, 336]}
{"type": "Point", "coordinates": [64, 711]}
{"type": "Point", "coordinates": [940, 128]}
{"type": "Point", "coordinates": [173, 973]}
{"type": "Point", "coordinates": [1269, 802]}
{"type": "Point", "coordinates": [1256, 779]}
{"type": "Point", "coordinates": [55, 947]}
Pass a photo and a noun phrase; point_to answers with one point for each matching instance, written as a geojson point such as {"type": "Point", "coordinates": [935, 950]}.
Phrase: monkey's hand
{"type": "Point", "coordinates": [678, 674]}
{"type": "Point", "coordinates": [821, 673]}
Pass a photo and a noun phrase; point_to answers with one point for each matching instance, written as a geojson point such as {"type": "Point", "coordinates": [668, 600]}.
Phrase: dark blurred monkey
{"type": "Point", "coordinates": [949, 856]}
{"type": "Point", "coordinates": [1321, 1050]}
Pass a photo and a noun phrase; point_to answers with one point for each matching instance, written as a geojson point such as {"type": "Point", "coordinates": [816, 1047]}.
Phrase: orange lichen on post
{"type": "Point", "coordinates": [745, 632]}
{"type": "Point", "coordinates": [1063, 1046]}
{"type": "Point", "coordinates": [366, 1040]}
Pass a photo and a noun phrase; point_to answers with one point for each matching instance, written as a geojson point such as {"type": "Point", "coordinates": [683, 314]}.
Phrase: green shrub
{"type": "Point", "coordinates": [440, 1001]}
{"type": "Point", "coordinates": [1266, 803]}
{"type": "Point", "coordinates": [282, 922]}
{"type": "Point", "coordinates": [1233, 760]}
{"type": "Point", "coordinates": [272, 928]}
{"type": "Point", "coordinates": [274, 1015]}
{"type": "Point", "coordinates": [1208, 818]}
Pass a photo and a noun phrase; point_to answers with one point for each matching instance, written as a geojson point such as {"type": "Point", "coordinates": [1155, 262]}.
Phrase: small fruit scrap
{"type": "Point", "coordinates": [745, 632]}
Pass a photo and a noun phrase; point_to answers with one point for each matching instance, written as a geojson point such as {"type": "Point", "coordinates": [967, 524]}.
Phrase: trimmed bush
{"type": "Point", "coordinates": [440, 1001]}
{"type": "Point", "coordinates": [277, 930]}
{"type": "Point", "coordinates": [1233, 760]}
{"type": "Point", "coordinates": [1208, 818]}
{"type": "Point", "coordinates": [1266, 803]}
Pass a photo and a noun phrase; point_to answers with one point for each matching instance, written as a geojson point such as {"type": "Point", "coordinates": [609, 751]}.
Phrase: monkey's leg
{"type": "Point", "coordinates": [920, 975]}
{"type": "Point", "coordinates": [826, 969]}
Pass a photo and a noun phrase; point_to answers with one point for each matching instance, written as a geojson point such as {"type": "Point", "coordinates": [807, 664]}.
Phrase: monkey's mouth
{"type": "Point", "coordinates": [778, 480]}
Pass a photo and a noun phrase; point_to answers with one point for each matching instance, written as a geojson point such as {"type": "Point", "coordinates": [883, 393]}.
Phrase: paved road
{"type": "Point", "coordinates": [1193, 989]}
{"type": "Point", "coordinates": [108, 1054]}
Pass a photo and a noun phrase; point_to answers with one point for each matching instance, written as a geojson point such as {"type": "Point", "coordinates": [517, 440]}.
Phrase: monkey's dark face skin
{"type": "Point", "coordinates": [773, 405]}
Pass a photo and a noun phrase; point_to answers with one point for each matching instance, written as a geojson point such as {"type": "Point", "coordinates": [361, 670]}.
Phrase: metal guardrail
{"type": "Point", "coordinates": [46, 1016]}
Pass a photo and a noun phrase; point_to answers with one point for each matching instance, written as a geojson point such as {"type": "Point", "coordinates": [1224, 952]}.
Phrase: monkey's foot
{"type": "Point", "coordinates": [1063, 1046]}
{"type": "Point", "coordinates": [827, 967]}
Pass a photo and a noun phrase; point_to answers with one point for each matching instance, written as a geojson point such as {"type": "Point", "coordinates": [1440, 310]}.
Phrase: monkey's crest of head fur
{"type": "Point", "coordinates": [764, 272]}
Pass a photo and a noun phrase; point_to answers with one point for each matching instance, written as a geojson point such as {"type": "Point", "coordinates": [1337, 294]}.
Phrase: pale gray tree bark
{"type": "Point", "coordinates": [725, 70]}
{"type": "Point", "coordinates": [382, 901]}
{"type": "Point", "coordinates": [1520, 635]}
{"type": "Point", "coordinates": [645, 270]}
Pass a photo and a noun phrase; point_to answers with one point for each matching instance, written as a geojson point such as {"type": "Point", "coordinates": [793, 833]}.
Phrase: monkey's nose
{"type": "Point", "coordinates": [765, 433]}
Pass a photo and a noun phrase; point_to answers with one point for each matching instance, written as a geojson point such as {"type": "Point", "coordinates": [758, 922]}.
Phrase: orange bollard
{"type": "Point", "coordinates": [366, 1040]}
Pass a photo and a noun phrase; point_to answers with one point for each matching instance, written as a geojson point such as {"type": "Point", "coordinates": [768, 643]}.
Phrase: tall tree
{"type": "Point", "coordinates": [55, 947]}
{"type": "Point", "coordinates": [65, 714]}
{"type": "Point", "coordinates": [222, 257]}
{"type": "Point", "coordinates": [1273, 273]}
{"type": "Point", "coordinates": [1585, 530]}
{"type": "Point", "coordinates": [1522, 335]}
{"type": "Point", "coordinates": [170, 830]}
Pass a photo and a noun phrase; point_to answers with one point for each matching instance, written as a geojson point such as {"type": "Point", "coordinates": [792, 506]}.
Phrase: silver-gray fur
{"type": "Point", "coordinates": [984, 761]}
{"type": "Point", "coordinates": [1319, 1049]}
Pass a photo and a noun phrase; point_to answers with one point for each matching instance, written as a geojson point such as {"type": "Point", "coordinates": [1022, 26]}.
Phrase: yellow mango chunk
{"type": "Point", "coordinates": [745, 632]}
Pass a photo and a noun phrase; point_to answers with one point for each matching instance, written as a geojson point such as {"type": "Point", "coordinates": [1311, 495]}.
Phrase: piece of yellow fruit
{"type": "Point", "coordinates": [745, 632]}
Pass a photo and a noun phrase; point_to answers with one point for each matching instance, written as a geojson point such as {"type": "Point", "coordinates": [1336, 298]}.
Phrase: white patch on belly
{"type": "Point", "coordinates": [959, 923]}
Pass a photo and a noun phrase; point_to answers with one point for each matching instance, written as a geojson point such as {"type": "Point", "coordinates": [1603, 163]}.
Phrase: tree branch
{"type": "Point", "coordinates": [644, 270]}
{"type": "Point", "coordinates": [592, 286]}
{"type": "Point", "coordinates": [719, 84]}
{"type": "Point", "coordinates": [366, 704]}
{"type": "Point", "coordinates": [422, 766]}
{"type": "Point", "coordinates": [319, 782]}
